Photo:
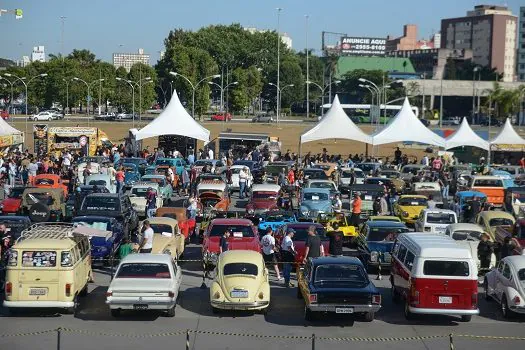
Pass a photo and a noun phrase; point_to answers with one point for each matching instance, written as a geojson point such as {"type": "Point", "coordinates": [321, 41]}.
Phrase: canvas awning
{"type": "Point", "coordinates": [406, 127]}
{"type": "Point", "coordinates": [174, 120]}
{"type": "Point", "coordinates": [6, 129]}
{"type": "Point", "coordinates": [507, 136]}
{"type": "Point", "coordinates": [335, 125]}
{"type": "Point", "coordinates": [465, 136]}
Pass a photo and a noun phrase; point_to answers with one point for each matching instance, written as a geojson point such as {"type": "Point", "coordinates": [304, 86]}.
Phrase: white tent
{"type": "Point", "coordinates": [465, 136]}
{"type": "Point", "coordinates": [174, 120]}
{"type": "Point", "coordinates": [407, 127]}
{"type": "Point", "coordinates": [507, 136]}
{"type": "Point", "coordinates": [6, 129]}
{"type": "Point", "coordinates": [335, 125]}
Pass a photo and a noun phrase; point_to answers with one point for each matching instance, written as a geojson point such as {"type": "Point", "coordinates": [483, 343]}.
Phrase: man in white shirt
{"type": "Point", "coordinates": [210, 153]}
{"type": "Point", "coordinates": [32, 170]}
{"type": "Point", "coordinates": [243, 180]}
{"type": "Point", "coordinates": [288, 256]}
{"type": "Point", "coordinates": [147, 243]}
{"type": "Point", "coordinates": [66, 161]}
{"type": "Point", "coordinates": [268, 245]}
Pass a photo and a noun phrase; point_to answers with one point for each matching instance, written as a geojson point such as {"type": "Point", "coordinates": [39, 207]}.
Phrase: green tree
{"type": "Point", "coordinates": [245, 93]}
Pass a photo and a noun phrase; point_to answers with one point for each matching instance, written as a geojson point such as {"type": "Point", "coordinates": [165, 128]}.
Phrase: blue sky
{"type": "Point", "coordinates": [107, 26]}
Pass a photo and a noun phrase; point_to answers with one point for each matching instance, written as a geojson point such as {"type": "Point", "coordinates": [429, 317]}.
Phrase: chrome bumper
{"type": "Point", "coordinates": [39, 304]}
{"type": "Point", "coordinates": [456, 312]}
{"type": "Point", "coordinates": [227, 305]}
{"type": "Point", "coordinates": [332, 307]}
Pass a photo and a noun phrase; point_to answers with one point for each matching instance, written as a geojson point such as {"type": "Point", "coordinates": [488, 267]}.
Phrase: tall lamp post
{"type": "Point", "coordinates": [372, 92]}
{"type": "Point", "coordinates": [278, 59]}
{"type": "Point", "coordinates": [223, 88]}
{"type": "Point", "coordinates": [323, 89]}
{"type": "Point", "coordinates": [139, 83]}
{"type": "Point", "coordinates": [67, 92]}
{"type": "Point", "coordinates": [130, 83]}
{"type": "Point", "coordinates": [88, 89]}
{"type": "Point", "coordinates": [11, 99]}
{"type": "Point", "coordinates": [194, 87]}
{"type": "Point", "coordinates": [474, 92]}
{"type": "Point", "coordinates": [307, 71]}
{"type": "Point", "coordinates": [279, 93]}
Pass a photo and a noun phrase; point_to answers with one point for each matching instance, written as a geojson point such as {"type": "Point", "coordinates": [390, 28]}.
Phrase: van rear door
{"type": "Point", "coordinates": [38, 276]}
{"type": "Point", "coordinates": [447, 284]}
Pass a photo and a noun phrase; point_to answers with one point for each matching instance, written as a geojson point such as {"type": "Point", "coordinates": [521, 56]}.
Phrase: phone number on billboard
{"type": "Point", "coordinates": [368, 47]}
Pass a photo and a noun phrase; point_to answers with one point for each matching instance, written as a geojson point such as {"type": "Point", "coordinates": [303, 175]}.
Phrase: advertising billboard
{"type": "Point", "coordinates": [363, 46]}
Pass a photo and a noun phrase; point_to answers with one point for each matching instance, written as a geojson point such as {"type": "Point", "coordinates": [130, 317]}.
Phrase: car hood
{"type": "Point", "coordinates": [318, 205]}
{"type": "Point", "coordinates": [383, 247]}
{"type": "Point", "coordinates": [140, 284]}
{"type": "Point", "coordinates": [412, 210]}
{"type": "Point", "coordinates": [328, 289]}
{"type": "Point", "coordinates": [262, 203]}
{"type": "Point", "coordinates": [245, 243]}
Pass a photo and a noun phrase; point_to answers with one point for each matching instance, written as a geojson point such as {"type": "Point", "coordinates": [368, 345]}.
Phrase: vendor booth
{"type": "Point", "coordinates": [10, 138]}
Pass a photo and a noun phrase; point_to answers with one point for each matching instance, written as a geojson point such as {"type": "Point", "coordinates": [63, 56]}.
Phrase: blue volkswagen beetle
{"type": "Point", "coordinates": [275, 219]}
{"type": "Point", "coordinates": [131, 174]}
{"type": "Point", "coordinates": [315, 201]}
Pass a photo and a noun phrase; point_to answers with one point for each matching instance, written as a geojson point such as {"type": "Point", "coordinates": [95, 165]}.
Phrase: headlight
{"type": "Point", "coordinates": [373, 256]}
{"type": "Point", "coordinates": [405, 214]}
{"type": "Point", "coordinates": [251, 211]}
{"type": "Point", "coordinates": [304, 212]}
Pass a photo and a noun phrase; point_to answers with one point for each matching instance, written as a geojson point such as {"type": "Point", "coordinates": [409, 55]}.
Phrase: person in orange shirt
{"type": "Point", "coordinates": [355, 219]}
{"type": "Point", "coordinates": [119, 177]}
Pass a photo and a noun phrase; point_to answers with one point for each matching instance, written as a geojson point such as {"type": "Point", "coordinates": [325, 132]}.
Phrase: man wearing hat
{"type": "Point", "coordinates": [356, 210]}
{"type": "Point", "coordinates": [485, 250]}
{"type": "Point", "coordinates": [288, 256]}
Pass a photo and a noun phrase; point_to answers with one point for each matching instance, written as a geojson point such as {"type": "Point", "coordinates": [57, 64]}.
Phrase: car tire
{"type": "Point", "coordinates": [408, 314]}
{"type": "Point", "coordinates": [299, 295]}
{"type": "Point", "coordinates": [486, 290]}
{"type": "Point", "coordinates": [466, 318]}
{"type": "Point", "coordinates": [171, 312]}
{"type": "Point", "coordinates": [72, 310]}
{"type": "Point", "coordinates": [115, 313]}
{"type": "Point", "coordinates": [35, 119]}
{"type": "Point", "coordinates": [308, 314]}
{"type": "Point", "coordinates": [504, 306]}
{"type": "Point", "coordinates": [396, 298]}
{"type": "Point", "coordinates": [369, 316]}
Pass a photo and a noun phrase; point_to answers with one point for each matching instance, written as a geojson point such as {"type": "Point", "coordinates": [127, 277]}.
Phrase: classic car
{"type": "Point", "coordinates": [492, 186]}
{"type": "Point", "coordinates": [49, 181]}
{"type": "Point", "coordinates": [492, 219]}
{"type": "Point", "coordinates": [186, 225]}
{"type": "Point", "coordinates": [262, 118]}
{"type": "Point", "coordinates": [408, 207]}
{"type": "Point", "coordinates": [329, 168]}
{"type": "Point", "coordinates": [131, 174]}
{"type": "Point", "coordinates": [409, 171]}
{"type": "Point", "coordinates": [236, 169]}
{"type": "Point", "coordinates": [505, 285]}
{"type": "Point", "coordinates": [275, 219]}
{"type": "Point", "coordinates": [212, 196]}
{"type": "Point", "coordinates": [368, 167]}
{"type": "Point", "coordinates": [428, 189]}
{"type": "Point", "coordinates": [376, 240]}
{"type": "Point", "coordinates": [93, 167]}
{"type": "Point", "coordinates": [74, 200]}
{"type": "Point", "coordinates": [314, 201]}
{"type": "Point", "coordinates": [337, 285]}
{"type": "Point", "coordinates": [213, 165]}
{"type": "Point", "coordinates": [314, 174]}
{"type": "Point", "coordinates": [397, 184]}
{"type": "Point", "coordinates": [167, 237]}
{"type": "Point", "coordinates": [263, 198]}
{"type": "Point", "coordinates": [145, 282]}
{"type": "Point", "coordinates": [15, 224]}
{"type": "Point", "coordinates": [12, 203]}
{"type": "Point", "coordinates": [111, 205]}
{"type": "Point", "coordinates": [346, 176]}
{"type": "Point", "coordinates": [103, 247]}
{"type": "Point", "coordinates": [176, 164]}
{"type": "Point", "coordinates": [244, 237]}
{"type": "Point", "coordinates": [367, 193]}
{"type": "Point", "coordinates": [221, 117]}
{"type": "Point", "coordinates": [515, 201]}
{"type": "Point", "coordinates": [384, 218]}
{"type": "Point", "coordinates": [241, 282]}
{"type": "Point", "coordinates": [101, 180]}
{"type": "Point", "coordinates": [469, 235]}
{"type": "Point", "coordinates": [328, 184]}
{"type": "Point", "coordinates": [435, 220]}
{"type": "Point", "coordinates": [166, 191]}
{"type": "Point", "coordinates": [140, 162]}
{"type": "Point", "coordinates": [137, 196]}
{"type": "Point", "coordinates": [44, 204]}
{"type": "Point", "coordinates": [299, 238]}
{"type": "Point", "coordinates": [343, 222]}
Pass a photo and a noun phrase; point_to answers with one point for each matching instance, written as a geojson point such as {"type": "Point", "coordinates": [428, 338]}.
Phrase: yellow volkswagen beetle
{"type": "Point", "coordinates": [167, 237]}
{"type": "Point", "coordinates": [408, 207]}
{"type": "Point", "coordinates": [240, 283]}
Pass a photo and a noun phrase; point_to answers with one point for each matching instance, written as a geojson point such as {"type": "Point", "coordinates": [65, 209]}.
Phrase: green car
{"type": "Point", "coordinates": [165, 188]}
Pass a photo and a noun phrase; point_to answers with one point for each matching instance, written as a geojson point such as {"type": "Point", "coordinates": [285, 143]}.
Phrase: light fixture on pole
{"type": "Point", "coordinates": [372, 92]}
{"type": "Point", "coordinates": [223, 88]}
{"type": "Point", "coordinates": [130, 83]}
{"type": "Point", "coordinates": [193, 87]}
{"type": "Point", "coordinates": [279, 9]}
{"type": "Point", "coordinates": [323, 89]}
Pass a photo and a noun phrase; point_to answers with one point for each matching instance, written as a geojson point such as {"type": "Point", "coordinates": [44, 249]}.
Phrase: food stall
{"type": "Point", "coordinates": [58, 139]}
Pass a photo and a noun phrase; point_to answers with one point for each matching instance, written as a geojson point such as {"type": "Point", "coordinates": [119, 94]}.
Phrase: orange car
{"type": "Point", "coordinates": [50, 181]}
{"type": "Point", "coordinates": [213, 195]}
{"type": "Point", "coordinates": [187, 226]}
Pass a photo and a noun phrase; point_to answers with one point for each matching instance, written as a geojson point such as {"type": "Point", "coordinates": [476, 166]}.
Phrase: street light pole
{"type": "Point", "coordinates": [194, 87]}
{"type": "Point", "coordinates": [222, 88]}
{"type": "Point", "coordinates": [474, 92]}
{"type": "Point", "coordinates": [307, 72]}
{"type": "Point", "coordinates": [323, 90]}
{"type": "Point", "coordinates": [369, 88]}
{"type": "Point", "coordinates": [278, 60]}
{"type": "Point", "coordinates": [67, 93]}
{"type": "Point", "coordinates": [130, 83]}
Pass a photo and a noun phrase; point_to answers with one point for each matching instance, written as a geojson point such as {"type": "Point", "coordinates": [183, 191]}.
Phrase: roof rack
{"type": "Point", "coordinates": [55, 230]}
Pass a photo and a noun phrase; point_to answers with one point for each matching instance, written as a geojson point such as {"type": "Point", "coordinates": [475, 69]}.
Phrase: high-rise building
{"type": "Point", "coordinates": [127, 60]}
{"type": "Point", "coordinates": [23, 62]}
{"type": "Point", "coordinates": [521, 47]}
{"type": "Point", "coordinates": [490, 32]}
{"type": "Point", "coordinates": [38, 54]}
{"type": "Point", "coordinates": [285, 38]}
{"type": "Point", "coordinates": [406, 42]}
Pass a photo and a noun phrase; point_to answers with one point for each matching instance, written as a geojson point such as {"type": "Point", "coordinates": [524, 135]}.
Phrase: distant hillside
{"type": "Point", "coordinates": [4, 63]}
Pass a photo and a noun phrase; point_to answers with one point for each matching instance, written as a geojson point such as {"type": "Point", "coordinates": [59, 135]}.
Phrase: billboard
{"type": "Point", "coordinates": [363, 46]}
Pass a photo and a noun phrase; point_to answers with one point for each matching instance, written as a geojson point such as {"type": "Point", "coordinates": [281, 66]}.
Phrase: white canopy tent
{"type": "Point", "coordinates": [6, 129]}
{"type": "Point", "coordinates": [335, 125]}
{"type": "Point", "coordinates": [508, 136]}
{"type": "Point", "coordinates": [465, 136]}
{"type": "Point", "coordinates": [407, 127]}
{"type": "Point", "coordinates": [174, 120]}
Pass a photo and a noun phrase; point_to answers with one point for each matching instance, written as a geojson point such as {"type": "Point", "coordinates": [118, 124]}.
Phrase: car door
{"type": "Point", "coordinates": [498, 280]}
{"type": "Point", "coordinates": [504, 280]}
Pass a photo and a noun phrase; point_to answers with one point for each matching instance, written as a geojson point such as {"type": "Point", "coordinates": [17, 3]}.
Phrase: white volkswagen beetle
{"type": "Point", "coordinates": [506, 285]}
{"type": "Point", "coordinates": [469, 235]}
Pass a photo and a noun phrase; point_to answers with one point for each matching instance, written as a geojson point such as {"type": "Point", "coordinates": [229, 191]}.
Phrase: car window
{"type": "Point", "coordinates": [409, 260]}
{"type": "Point", "coordinates": [340, 274]}
{"type": "Point", "coordinates": [446, 268]}
{"type": "Point", "coordinates": [101, 203]}
{"type": "Point", "coordinates": [39, 258]}
{"type": "Point", "coordinates": [401, 253]}
{"type": "Point", "coordinates": [239, 231]}
{"type": "Point", "coordinates": [162, 228]}
{"type": "Point", "coordinates": [506, 271]}
{"type": "Point", "coordinates": [240, 269]}
{"type": "Point", "coordinates": [315, 196]}
{"type": "Point", "coordinates": [143, 270]}
{"type": "Point", "coordinates": [500, 266]}
{"type": "Point", "coordinates": [501, 222]}
{"type": "Point", "coordinates": [411, 201]}
{"type": "Point", "coordinates": [440, 218]}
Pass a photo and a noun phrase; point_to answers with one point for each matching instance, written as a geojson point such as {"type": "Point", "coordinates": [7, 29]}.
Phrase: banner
{"type": "Point", "coordinates": [40, 138]}
{"type": "Point", "coordinates": [362, 46]}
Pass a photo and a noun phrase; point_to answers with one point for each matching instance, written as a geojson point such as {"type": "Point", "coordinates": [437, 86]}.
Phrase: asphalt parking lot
{"type": "Point", "coordinates": [282, 328]}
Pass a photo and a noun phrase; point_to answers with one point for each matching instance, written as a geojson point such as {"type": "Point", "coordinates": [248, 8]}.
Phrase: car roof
{"type": "Point", "coordinates": [94, 217]}
{"type": "Point", "coordinates": [13, 218]}
{"type": "Point", "coordinates": [313, 170]}
{"type": "Point", "coordinates": [266, 187]}
{"type": "Point", "coordinates": [336, 260]}
{"type": "Point", "coordinates": [385, 223]}
{"type": "Point", "coordinates": [518, 261]}
{"type": "Point", "coordinates": [145, 185]}
{"type": "Point", "coordinates": [439, 211]}
{"type": "Point", "coordinates": [147, 258]}
{"type": "Point", "coordinates": [465, 226]}
{"type": "Point", "coordinates": [316, 190]}
{"type": "Point", "coordinates": [161, 220]}
{"type": "Point", "coordinates": [106, 195]}
{"type": "Point", "coordinates": [413, 196]}
{"type": "Point", "coordinates": [211, 185]}
{"type": "Point", "coordinates": [296, 225]}
{"type": "Point", "coordinates": [230, 221]}
{"type": "Point", "coordinates": [430, 245]}
{"type": "Point", "coordinates": [153, 176]}
{"type": "Point", "coordinates": [485, 177]}
{"type": "Point", "coordinates": [491, 214]}
{"type": "Point", "coordinates": [471, 193]}
{"type": "Point", "coordinates": [241, 256]}
{"type": "Point", "coordinates": [320, 180]}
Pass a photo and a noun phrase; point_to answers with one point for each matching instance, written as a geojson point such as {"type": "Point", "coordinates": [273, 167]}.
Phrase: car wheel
{"type": "Point", "coordinates": [395, 295]}
{"type": "Point", "coordinates": [408, 314]}
{"type": "Point", "coordinates": [505, 308]}
{"type": "Point", "coordinates": [308, 314]}
{"type": "Point", "coordinates": [171, 312]}
{"type": "Point", "coordinates": [466, 318]}
{"type": "Point", "coordinates": [486, 290]}
{"type": "Point", "coordinates": [115, 312]}
{"type": "Point", "coordinates": [299, 295]}
{"type": "Point", "coordinates": [84, 291]}
{"type": "Point", "coordinates": [35, 119]}
{"type": "Point", "coordinates": [72, 310]}
{"type": "Point", "coordinates": [369, 316]}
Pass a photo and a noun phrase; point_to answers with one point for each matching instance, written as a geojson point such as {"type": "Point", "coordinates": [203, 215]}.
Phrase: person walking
{"type": "Point", "coordinates": [243, 179]}
{"type": "Point", "coordinates": [119, 177]}
{"type": "Point", "coordinates": [355, 218]}
{"type": "Point", "coordinates": [125, 248]}
{"type": "Point", "coordinates": [224, 244]}
{"type": "Point", "coordinates": [288, 256]}
{"type": "Point", "coordinates": [151, 202]}
{"type": "Point", "coordinates": [314, 247]}
{"type": "Point", "coordinates": [485, 250]}
{"type": "Point", "coordinates": [12, 172]}
{"type": "Point", "coordinates": [147, 243]}
{"type": "Point", "coordinates": [336, 237]}
{"type": "Point", "coordinates": [268, 246]}
{"type": "Point", "coordinates": [338, 204]}
{"type": "Point", "coordinates": [185, 181]}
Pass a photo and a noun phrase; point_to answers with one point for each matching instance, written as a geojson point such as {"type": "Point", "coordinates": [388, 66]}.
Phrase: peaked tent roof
{"type": "Point", "coordinates": [507, 136]}
{"type": "Point", "coordinates": [6, 129]}
{"type": "Point", "coordinates": [335, 125]}
{"type": "Point", "coordinates": [174, 120]}
{"type": "Point", "coordinates": [465, 136]}
{"type": "Point", "coordinates": [407, 127]}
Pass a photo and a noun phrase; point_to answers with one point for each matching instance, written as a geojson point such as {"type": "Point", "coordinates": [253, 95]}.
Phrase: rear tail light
{"type": "Point", "coordinates": [414, 296]}
{"type": "Point", "coordinates": [474, 300]}
{"type": "Point", "coordinates": [8, 288]}
{"type": "Point", "coordinates": [376, 299]}
{"type": "Point", "coordinates": [516, 300]}
{"type": "Point", "coordinates": [109, 294]}
{"type": "Point", "coordinates": [313, 298]}
{"type": "Point", "coordinates": [171, 294]}
{"type": "Point", "coordinates": [68, 289]}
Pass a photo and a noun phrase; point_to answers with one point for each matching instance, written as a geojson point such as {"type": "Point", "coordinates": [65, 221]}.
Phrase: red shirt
{"type": "Point", "coordinates": [291, 177]}
{"type": "Point", "coordinates": [356, 206]}
{"type": "Point", "coordinates": [119, 176]}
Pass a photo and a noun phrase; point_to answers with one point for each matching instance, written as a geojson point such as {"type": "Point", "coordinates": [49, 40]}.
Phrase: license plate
{"type": "Point", "coordinates": [239, 294]}
{"type": "Point", "coordinates": [440, 229]}
{"type": "Point", "coordinates": [140, 306]}
{"type": "Point", "coordinates": [344, 310]}
{"type": "Point", "coordinates": [37, 291]}
{"type": "Point", "coordinates": [445, 300]}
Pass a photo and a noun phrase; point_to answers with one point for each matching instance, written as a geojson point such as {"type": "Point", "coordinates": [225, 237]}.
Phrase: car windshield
{"type": "Point", "coordinates": [411, 201]}
{"type": "Point", "coordinates": [240, 269]}
{"type": "Point", "coordinates": [327, 185]}
{"type": "Point", "coordinates": [487, 183]}
{"type": "Point", "coordinates": [521, 277]}
{"type": "Point", "coordinates": [140, 191]}
{"type": "Point", "coordinates": [203, 163]}
{"type": "Point", "coordinates": [278, 218]}
{"type": "Point", "coordinates": [100, 203]}
{"type": "Point", "coordinates": [160, 228]}
{"type": "Point", "coordinates": [239, 231]}
{"type": "Point", "coordinates": [158, 180]}
{"type": "Point", "coordinates": [265, 195]}
{"type": "Point", "coordinates": [301, 233]}
{"type": "Point", "coordinates": [16, 192]}
{"type": "Point", "coordinates": [169, 162]}
{"type": "Point", "coordinates": [143, 270]}
{"type": "Point", "coordinates": [340, 274]}
{"type": "Point", "coordinates": [98, 183]}
{"type": "Point", "coordinates": [386, 234]}
{"type": "Point", "coordinates": [446, 268]}
{"type": "Point", "coordinates": [315, 196]}
{"type": "Point", "coordinates": [39, 197]}
{"type": "Point", "coordinates": [236, 170]}
{"type": "Point", "coordinates": [466, 235]}
{"type": "Point", "coordinates": [313, 174]}
{"type": "Point", "coordinates": [274, 169]}
{"type": "Point", "coordinates": [366, 167]}
{"type": "Point", "coordinates": [99, 224]}
{"type": "Point", "coordinates": [390, 174]}
{"type": "Point", "coordinates": [44, 182]}
{"type": "Point", "coordinates": [500, 222]}
{"type": "Point", "coordinates": [411, 170]}
{"type": "Point", "coordinates": [440, 218]}
{"type": "Point", "coordinates": [129, 168]}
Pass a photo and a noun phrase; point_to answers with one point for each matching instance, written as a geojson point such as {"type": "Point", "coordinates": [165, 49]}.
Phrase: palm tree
{"type": "Point", "coordinates": [506, 102]}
